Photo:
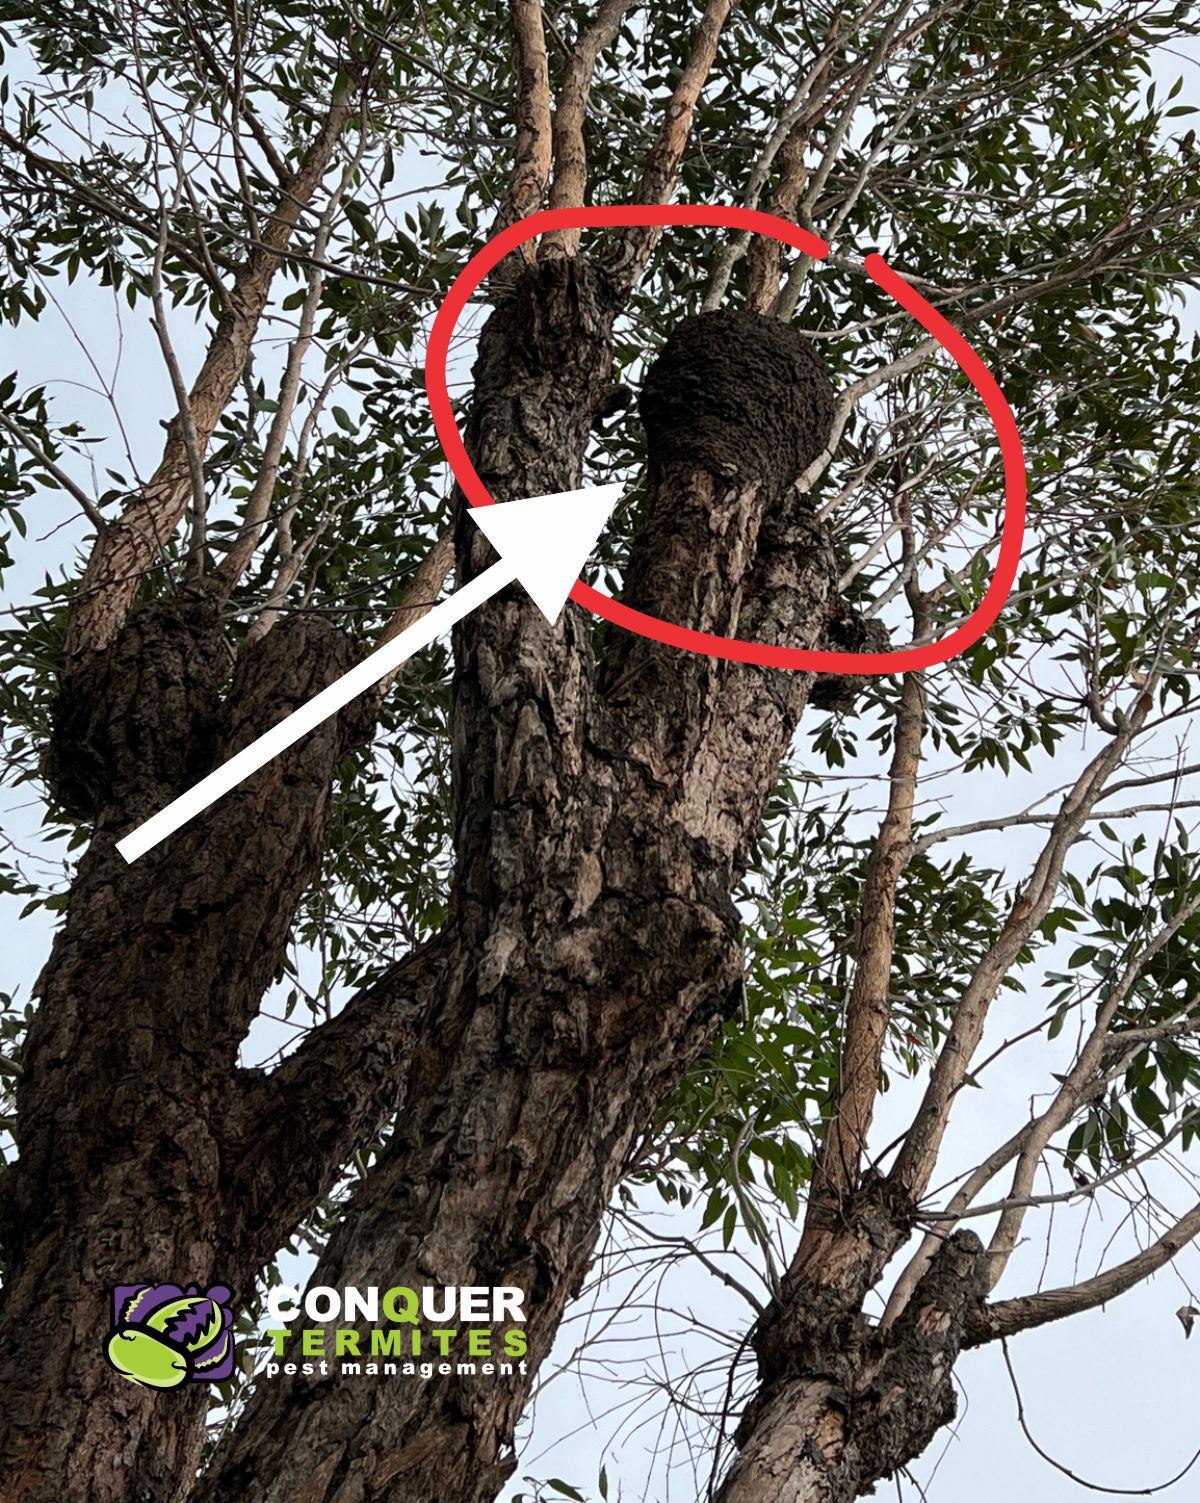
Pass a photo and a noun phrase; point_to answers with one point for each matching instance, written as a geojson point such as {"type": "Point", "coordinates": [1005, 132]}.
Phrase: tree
{"type": "Point", "coordinates": [563, 911]}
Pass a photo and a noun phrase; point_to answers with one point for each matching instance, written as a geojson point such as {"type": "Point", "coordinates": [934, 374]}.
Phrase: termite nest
{"type": "Point", "coordinates": [738, 393]}
{"type": "Point", "coordinates": [747, 396]}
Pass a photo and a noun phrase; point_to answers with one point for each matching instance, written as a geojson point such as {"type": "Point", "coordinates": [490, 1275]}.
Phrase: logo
{"type": "Point", "coordinates": [163, 1336]}
{"type": "Point", "coordinates": [398, 1332]}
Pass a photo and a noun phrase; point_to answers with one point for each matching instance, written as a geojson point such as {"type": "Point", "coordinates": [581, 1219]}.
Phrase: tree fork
{"type": "Point", "coordinates": [601, 823]}
{"type": "Point", "coordinates": [128, 1124]}
{"type": "Point", "coordinates": [849, 1405]}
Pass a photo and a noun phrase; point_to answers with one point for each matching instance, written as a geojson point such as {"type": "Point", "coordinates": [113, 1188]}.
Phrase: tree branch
{"type": "Point", "coordinates": [258, 506]}
{"type": "Point", "coordinates": [1072, 1091]}
{"type": "Point", "coordinates": [64, 184]}
{"type": "Point", "coordinates": [789, 136]}
{"type": "Point", "coordinates": [1012, 1315]}
{"type": "Point", "coordinates": [187, 426]}
{"type": "Point", "coordinates": [868, 1012]}
{"type": "Point", "coordinates": [918, 1154]}
{"type": "Point", "coordinates": [293, 556]}
{"type": "Point", "coordinates": [343, 1081]}
{"type": "Point", "coordinates": [421, 595]}
{"type": "Point", "coordinates": [130, 545]}
{"type": "Point", "coordinates": [532, 151]}
{"type": "Point", "coordinates": [1005, 822]}
{"type": "Point", "coordinates": [219, 72]}
{"type": "Point", "coordinates": [662, 165]}
{"type": "Point", "coordinates": [570, 153]}
{"type": "Point", "coordinates": [28, 442]}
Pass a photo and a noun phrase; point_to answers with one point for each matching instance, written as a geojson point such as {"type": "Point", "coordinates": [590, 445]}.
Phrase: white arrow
{"type": "Point", "coordinates": [543, 541]}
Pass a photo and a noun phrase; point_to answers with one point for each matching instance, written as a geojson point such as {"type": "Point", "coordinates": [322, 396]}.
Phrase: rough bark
{"type": "Point", "coordinates": [843, 1406]}
{"type": "Point", "coordinates": [602, 820]}
{"type": "Point", "coordinates": [131, 1118]}
{"type": "Point", "coordinates": [843, 1403]}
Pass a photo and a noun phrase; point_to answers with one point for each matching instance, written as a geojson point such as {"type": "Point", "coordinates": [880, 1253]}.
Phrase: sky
{"type": "Point", "coordinates": [1113, 1395]}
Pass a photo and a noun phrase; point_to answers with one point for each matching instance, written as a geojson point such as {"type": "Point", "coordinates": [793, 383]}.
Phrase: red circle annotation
{"type": "Point", "coordinates": [734, 648]}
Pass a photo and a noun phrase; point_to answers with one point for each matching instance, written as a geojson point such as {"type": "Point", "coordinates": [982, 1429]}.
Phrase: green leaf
{"type": "Point", "coordinates": [565, 1490]}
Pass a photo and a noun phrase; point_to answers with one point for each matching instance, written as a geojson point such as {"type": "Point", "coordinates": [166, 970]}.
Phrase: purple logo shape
{"type": "Point", "coordinates": [164, 1335]}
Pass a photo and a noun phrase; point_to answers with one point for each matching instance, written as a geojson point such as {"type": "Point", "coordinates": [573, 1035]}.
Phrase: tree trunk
{"type": "Point", "coordinates": [602, 821]}
{"type": "Point", "coordinates": [131, 1109]}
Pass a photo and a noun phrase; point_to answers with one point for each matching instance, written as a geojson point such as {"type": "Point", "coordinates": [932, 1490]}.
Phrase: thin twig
{"type": "Point", "coordinates": [27, 441]}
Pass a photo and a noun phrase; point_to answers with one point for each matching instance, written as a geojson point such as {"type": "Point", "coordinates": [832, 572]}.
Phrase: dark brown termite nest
{"type": "Point", "coordinates": [738, 394]}
{"type": "Point", "coordinates": [743, 395]}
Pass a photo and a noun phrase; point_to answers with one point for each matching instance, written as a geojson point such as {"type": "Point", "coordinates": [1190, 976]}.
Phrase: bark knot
{"type": "Point", "coordinates": [136, 721]}
{"type": "Point", "coordinates": [846, 631]}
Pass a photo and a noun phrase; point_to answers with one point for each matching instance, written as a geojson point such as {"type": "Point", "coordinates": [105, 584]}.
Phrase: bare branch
{"type": "Point", "coordinates": [1073, 1089]}
{"type": "Point", "coordinates": [918, 1154]}
{"type": "Point", "coordinates": [1081, 1191]}
{"type": "Point", "coordinates": [570, 153]}
{"type": "Point", "coordinates": [1095, 1487]}
{"type": "Point", "coordinates": [1009, 1316]}
{"type": "Point", "coordinates": [1005, 822]}
{"type": "Point", "coordinates": [694, 1251]}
